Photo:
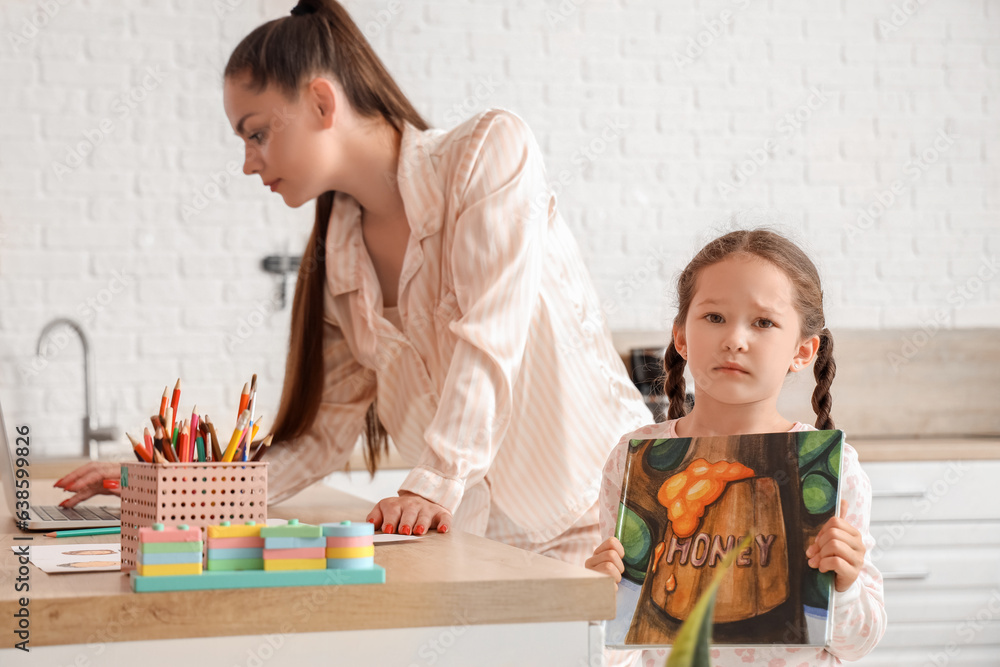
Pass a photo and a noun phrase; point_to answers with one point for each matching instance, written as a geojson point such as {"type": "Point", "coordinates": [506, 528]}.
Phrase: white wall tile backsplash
{"type": "Point", "coordinates": [870, 134]}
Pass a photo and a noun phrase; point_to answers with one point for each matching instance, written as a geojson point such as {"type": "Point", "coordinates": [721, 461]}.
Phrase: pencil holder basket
{"type": "Point", "coordinates": [196, 494]}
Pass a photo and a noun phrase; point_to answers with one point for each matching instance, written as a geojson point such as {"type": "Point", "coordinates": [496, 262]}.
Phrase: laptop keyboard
{"type": "Point", "coordinates": [80, 513]}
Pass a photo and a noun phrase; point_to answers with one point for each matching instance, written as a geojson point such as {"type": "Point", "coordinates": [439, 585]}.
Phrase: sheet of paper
{"type": "Point", "coordinates": [69, 558]}
{"type": "Point", "coordinates": [382, 538]}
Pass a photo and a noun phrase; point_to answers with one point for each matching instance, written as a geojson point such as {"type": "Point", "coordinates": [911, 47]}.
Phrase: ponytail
{"type": "Point", "coordinates": [674, 386]}
{"type": "Point", "coordinates": [824, 370]}
{"type": "Point", "coordinates": [319, 37]}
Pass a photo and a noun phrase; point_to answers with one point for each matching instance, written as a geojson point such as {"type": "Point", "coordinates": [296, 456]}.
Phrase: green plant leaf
{"type": "Point", "coordinates": [692, 644]}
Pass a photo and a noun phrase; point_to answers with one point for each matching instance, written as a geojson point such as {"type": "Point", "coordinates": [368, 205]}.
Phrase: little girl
{"type": "Point", "coordinates": [750, 312]}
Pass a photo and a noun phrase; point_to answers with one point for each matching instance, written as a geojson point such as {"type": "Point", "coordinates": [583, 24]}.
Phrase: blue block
{"type": "Point", "coordinates": [350, 563]}
{"type": "Point", "coordinates": [232, 554]}
{"type": "Point", "coordinates": [348, 529]}
{"type": "Point", "coordinates": [294, 542]}
{"type": "Point", "coordinates": [176, 558]}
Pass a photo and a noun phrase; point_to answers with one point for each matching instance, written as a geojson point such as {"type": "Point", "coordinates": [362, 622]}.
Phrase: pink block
{"type": "Point", "coordinates": [281, 554]}
{"type": "Point", "coordinates": [169, 534]}
{"type": "Point", "coordinates": [235, 542]}
{"type": "Point", "coordinates": [340, 542]}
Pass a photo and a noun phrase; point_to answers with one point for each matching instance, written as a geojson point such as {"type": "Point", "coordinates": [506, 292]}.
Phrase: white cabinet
{"type": "Point", "coordinates": [937, 529]}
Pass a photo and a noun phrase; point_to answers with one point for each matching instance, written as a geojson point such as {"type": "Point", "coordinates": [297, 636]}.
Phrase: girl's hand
{"type": "Point", "coordinates": [607, 559]}
{"type": "Point", "coordinates": [838, 548]}
{"type": "Point", "coordinates": [409, 512]}
{"type": "Point", "coordinates": [88, 480]}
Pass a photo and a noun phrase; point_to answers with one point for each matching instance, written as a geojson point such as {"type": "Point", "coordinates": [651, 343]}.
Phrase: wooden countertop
{"type": "Point", "coordinates": [439, 580]}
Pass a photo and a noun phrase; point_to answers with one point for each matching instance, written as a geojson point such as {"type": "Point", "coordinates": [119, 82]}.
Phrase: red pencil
{"type": "Point", "coordinates": [163, 402]}
{"type": "Point", "coordinates": [184, 442]}
{"type": "Point", "coordinates": [174, 400]}
{"type": "Point", "coordinates": [148, 439]}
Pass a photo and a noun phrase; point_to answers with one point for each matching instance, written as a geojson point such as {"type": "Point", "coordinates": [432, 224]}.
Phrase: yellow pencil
{"type": "Point", "coordinates": [241, 425]}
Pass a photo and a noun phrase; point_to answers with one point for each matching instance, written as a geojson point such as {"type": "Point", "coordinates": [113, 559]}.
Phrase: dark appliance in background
{"type": "Point", "coordinates": [648, 374]}
{"type": "Point", "coordinates": [646, 368]}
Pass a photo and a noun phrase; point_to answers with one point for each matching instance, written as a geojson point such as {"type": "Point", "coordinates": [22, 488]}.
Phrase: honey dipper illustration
{"type": "Point", "coordinates": [689, 492]}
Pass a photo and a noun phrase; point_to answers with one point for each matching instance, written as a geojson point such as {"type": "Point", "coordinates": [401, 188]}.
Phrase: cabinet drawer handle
{"type": "Point", "coordinates": [898, 494]}
{"type": "Point", "coordinates": [922, 574]}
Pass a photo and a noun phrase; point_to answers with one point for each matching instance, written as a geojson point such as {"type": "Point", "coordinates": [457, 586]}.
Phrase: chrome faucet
{"type": "Point", "coordinates": [91, 431]}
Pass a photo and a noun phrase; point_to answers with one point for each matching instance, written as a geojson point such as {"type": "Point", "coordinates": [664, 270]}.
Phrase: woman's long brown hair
{"type": "Point", "coordinates": [321, 39]}
{"type": "Point", "coordinates": [788, 257]}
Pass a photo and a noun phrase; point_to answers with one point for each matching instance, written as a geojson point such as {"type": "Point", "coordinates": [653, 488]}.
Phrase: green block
{"type": "Point", "coordinates": [207, 581]}
{"type": "Point", "coordinates": [169, 547]}
{"type": "Point", "coordinates": [230, 564]}
{"type": "Point", "coordinates": [292, 529]}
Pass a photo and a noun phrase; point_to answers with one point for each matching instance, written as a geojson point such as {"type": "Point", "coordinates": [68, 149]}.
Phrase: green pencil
{"type": "Point", "coordinates": [113, 530]}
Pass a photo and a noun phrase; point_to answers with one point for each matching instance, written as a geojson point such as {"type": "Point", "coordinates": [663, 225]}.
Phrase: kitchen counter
{"type": "Point", "coordinates": [438, 580]}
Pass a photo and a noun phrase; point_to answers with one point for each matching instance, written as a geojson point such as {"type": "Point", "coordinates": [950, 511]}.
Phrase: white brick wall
{"type": "Point", "coordinates": [127, 95]}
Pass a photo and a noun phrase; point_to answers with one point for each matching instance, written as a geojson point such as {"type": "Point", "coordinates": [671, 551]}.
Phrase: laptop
{"type": "Point", "coordinates": [48, 517]}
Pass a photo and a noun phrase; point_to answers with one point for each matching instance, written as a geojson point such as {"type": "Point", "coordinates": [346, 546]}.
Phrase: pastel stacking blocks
{"type": "Point", "coordinates": [165, 551]}
{"type": "Point", "coordinates": [233, 548]}
{"type": "Point", "coordinates": [349, 546]}
{"type": "Point", "coordinates": [255, 556]}
{"type": "Point", "coordinates": [294, 546]}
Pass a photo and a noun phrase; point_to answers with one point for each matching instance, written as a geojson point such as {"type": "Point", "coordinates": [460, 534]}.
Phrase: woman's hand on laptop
{"type": "Point", "coordinates": [88, 480]}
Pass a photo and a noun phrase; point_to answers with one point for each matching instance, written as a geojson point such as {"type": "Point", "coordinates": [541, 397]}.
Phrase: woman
{"type": "Point", "coordinates": [441, 299]}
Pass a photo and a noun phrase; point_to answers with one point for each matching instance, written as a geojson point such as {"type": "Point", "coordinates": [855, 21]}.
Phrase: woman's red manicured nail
{"type": "Point", "coordinates": [404, 530]}
{"type": "Point", "coordinates": [371, 520]}
{"type": "Point", "coordinates": [443, 529]}
{"type": "Point", "coordinates": [419, 530]}
{"type": "Point", "coordinates": [387, 528]}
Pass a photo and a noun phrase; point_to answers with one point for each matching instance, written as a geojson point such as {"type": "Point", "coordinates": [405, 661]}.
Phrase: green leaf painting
{"type": "Point", "coordinates": [691, 648]}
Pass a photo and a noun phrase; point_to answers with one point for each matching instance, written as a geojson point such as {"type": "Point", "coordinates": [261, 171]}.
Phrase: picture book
{"type": "Point", "coordinates": [686, 502]}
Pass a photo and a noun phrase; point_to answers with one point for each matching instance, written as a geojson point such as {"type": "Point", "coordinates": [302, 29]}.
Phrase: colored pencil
{"type": "Point", "coordinates": [140, 453]}
{"type": "Point", "coordinates": [163, 402]}
{"type": "Point", "coordinates": [216, 448]}
{"type": "Point", "coordinates": [148, 439]}
{"type": "Point", "coordinates": [113, 530]}
{"type": "Point", "coordinates": [241, 425]}
{"type": "Point", "coordinates": [244, 399]}
{"type": "Point", "coordinates": [263, 446]}
{"type": "Point", "coordinates": [137, 447]}
{"type": "Point", "coordinates": [165, 448]}
{"type": "Point", "coordinates": [184, 442]}
{"type": "Point", "coordinates": [168, 423]}
{"type": "Point", "coordinates": [194, 432]}
{"type": "Point", "coordinates": [253, 395]}
{"type": "Point", "coordinates": [174, 401]}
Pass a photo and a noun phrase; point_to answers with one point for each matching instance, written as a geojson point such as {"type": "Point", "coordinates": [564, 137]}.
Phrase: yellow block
{"type": "Point", "coordinates": [295, 564]}
{"type": "Point", "coordinates": [234, 531]}
{"type": "Point", "coordinates": [350, 552]}
{"type": "Point", "coordinates": [166, 570]}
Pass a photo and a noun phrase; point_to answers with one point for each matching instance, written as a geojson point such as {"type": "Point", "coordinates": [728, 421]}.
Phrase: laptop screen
{"type": "Point", "coordinates": [7, 471]}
